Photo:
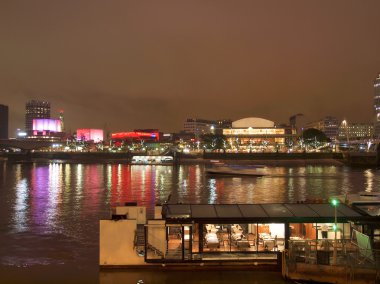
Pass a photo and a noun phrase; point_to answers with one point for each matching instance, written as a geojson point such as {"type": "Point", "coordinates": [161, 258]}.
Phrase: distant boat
{"type": "Point", "coordinates": [152, 160]}
{"type": "Point", "coordinates": [221, 169]}
{"type": "Point", "coordinates": [368, 202]}
{"type": "Point", "coordinates": [362, 197]}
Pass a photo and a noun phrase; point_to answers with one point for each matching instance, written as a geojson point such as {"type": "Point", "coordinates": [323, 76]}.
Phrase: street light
{"type": "Point", "coordinates": [345, 124]}
{"type": "Point", "coordinates": [335, 203]}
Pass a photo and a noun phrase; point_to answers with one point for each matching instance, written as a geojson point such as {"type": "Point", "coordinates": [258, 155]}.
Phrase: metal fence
{"type": "Point", "coordinates": [345, 254]}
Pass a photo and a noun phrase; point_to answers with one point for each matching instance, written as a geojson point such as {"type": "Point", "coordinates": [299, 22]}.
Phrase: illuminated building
{"type": "Point", "coordinates": [87, 134]}
{"type": "Point", "coordinates": [4, 115]}
{"type": "Point", "coordinates": [376, 105]}
{"type": "Point", "coordinates": [151, 135]}
{"type": "Point", "coordinates": [35, 109]}
{"type": "Point", "coordinates": [355, 131]}
{"type": "Point", "coordinates": [46, 127]}
{"type": "Point", "coordinates": [255, 133]}
{"type": "Point", "coordinates": [328, 125]}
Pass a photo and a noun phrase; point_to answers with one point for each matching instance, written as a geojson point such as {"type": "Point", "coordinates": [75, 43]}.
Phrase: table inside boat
{"type": "Point", "coordinates": [267, 240]}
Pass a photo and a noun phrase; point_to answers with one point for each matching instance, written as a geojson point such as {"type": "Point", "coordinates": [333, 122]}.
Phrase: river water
{"type": "Point", "coordinates": [50, 212]}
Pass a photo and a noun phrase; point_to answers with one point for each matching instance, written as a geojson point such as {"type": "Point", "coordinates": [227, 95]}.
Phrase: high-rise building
{"type": "Point", "coordinates": [4, 114]}
{"type": "Point", "coordinates": [376, 104]}
{"type": "Point", "coordinates": [35, 109]}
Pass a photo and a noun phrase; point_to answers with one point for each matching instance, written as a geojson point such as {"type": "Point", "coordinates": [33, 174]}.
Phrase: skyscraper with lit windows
{"type": "Point", "coordinates": [35, 109]}
{"type": "Point", "coordinates": [376, 104]}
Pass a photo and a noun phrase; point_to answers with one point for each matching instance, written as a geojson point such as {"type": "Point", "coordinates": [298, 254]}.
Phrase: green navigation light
{"type": "Point", "coordinates": [334, 202]}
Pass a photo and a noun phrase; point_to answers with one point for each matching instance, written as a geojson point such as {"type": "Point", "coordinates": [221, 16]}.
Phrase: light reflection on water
{"type": "Point", "coordinates": [50, 212]}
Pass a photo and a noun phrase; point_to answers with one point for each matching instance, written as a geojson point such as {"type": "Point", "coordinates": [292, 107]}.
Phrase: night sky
{"type": "Point", "coordinates": [121, 65]}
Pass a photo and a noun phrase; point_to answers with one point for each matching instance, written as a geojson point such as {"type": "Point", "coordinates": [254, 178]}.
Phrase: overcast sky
{"type": "Point", "coordinates": [124, 64]}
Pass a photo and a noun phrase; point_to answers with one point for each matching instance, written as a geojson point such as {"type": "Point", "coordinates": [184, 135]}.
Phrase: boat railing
{"type": "Point", "coordinates": [344, 252]}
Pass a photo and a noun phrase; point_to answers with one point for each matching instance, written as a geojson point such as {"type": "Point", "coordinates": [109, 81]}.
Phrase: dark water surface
{"type": "Point", "coordinates": [50, 212]}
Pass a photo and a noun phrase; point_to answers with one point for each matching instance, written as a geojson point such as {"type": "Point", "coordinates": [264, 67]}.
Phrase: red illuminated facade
{"type": "Point", "coordinates": [151, 135]}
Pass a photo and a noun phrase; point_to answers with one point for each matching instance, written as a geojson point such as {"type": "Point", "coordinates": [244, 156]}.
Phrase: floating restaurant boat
{"type": "Point", "coordinates": [193, 233]}
{"type": "Point", "coordinates": [306, 241]}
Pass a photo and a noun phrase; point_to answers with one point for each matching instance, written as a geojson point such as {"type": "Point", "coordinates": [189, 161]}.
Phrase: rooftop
{"type": "Point", "coordinates": [284, 212]}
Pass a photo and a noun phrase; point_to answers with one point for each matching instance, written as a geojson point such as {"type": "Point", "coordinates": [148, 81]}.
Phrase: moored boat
{"type": "Point", "coordinates": [362, 197]}
{"type": "Point", "coordinates": [222, 169]}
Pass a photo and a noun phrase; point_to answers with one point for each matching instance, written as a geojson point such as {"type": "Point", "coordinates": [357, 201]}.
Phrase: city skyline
{"type": "Point", "coordinates": [152, 65]}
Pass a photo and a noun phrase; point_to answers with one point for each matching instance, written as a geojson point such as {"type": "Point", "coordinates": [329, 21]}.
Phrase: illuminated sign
{"type": "Point", "coordinates": [88, 134]}
{"type": "Point", "coordinates": [136, 135]}
{"type": "Point", "coordinates": [44, 124]}
{"type": "Point", "coordinates": [254, 131]}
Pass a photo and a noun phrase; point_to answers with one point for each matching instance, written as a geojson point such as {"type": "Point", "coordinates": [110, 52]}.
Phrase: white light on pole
{"type": "Point", "coordinates": [335, 203]}
{"type": "Point", "coordinates": [345, 124]}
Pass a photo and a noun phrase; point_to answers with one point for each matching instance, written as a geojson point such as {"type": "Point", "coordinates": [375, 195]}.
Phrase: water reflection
{"type": "Point", "coordinates": [369, 180]}
{"type": "Point", "coordinates": [55, 187]}
{"type": "Point", "coordinates": [21, 206]}
{"type": "Point", "coordinates": [213, 195]}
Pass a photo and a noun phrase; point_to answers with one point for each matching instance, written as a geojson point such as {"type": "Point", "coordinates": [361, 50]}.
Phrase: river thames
{"type": "Point", "coordinates": [50, 212]}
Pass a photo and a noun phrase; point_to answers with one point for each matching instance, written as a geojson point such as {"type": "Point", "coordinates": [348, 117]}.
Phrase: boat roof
{"type": "Point", "coordinates": [372, 209]}
{"type": "Point", "coordinates": [270, 213]}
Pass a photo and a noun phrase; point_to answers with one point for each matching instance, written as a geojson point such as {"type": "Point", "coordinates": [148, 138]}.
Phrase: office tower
{"type": "Point", "coordinates": [35, 109]}
{"type": "Point", "coordinates": [376, 104]}
{"type": "Point", "coordinates": [4, 114]}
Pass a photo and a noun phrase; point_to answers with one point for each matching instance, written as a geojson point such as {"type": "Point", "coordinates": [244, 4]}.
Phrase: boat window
{"type": "Point", "coordinates": [302, 231]}
{"type": "Point", "coordinates": [271, 237]}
